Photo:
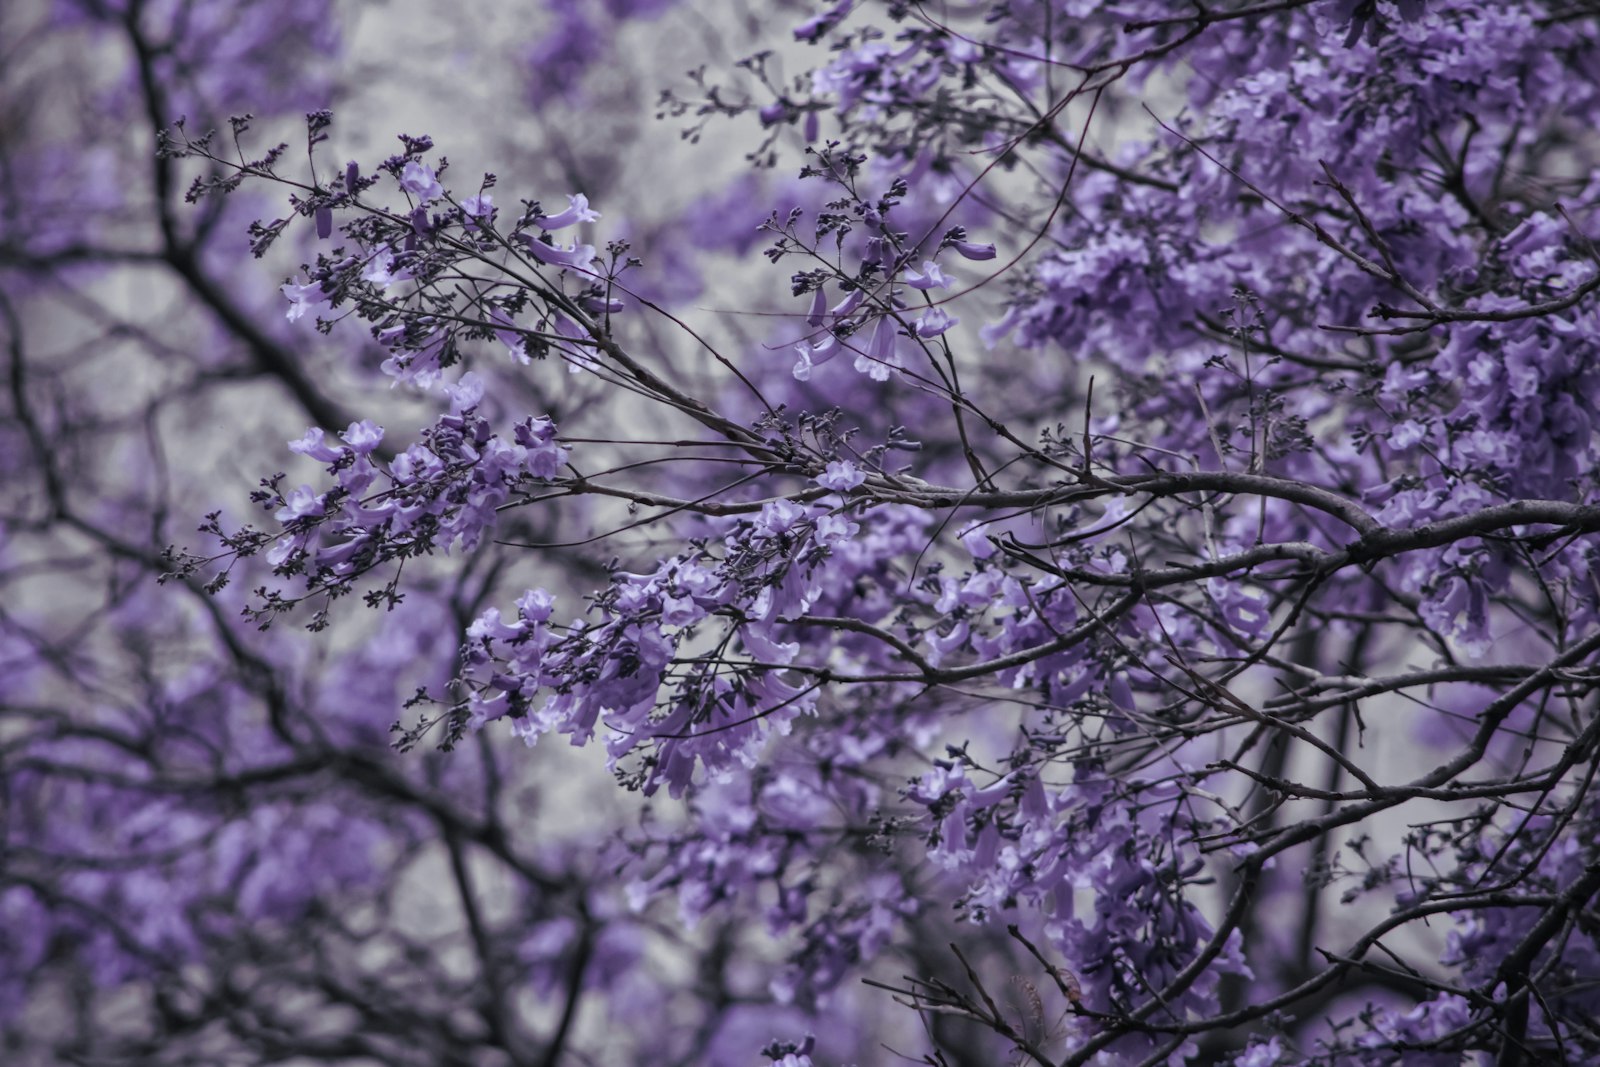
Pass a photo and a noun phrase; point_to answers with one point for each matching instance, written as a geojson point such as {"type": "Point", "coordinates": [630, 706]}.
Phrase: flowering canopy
{"type": "Point", "coordinates": [1182, 601]}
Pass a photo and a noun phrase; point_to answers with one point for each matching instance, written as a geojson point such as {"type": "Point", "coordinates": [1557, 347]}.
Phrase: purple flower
{"type": "Point", "coordinates": [817, 26]}
{"type": "Point", "coordinates": [311, 444]}
{"type": "Point", "coordinates": [1264, 1054]}
{"type": "Point", "coordinates": [362, 437]}
{"type": "Point", "coordinates": [931, 277]}
{"type": "Point", "coordinates": [508, 335]}
{"type": "Point", "coordinates": [599, 305]}
{"type": "Point", "coordinates": [879, 359]}
{"type": "Point", "coordinates": [977, 542]}
{"type": "Point", "coordinates": [536, 605]}
{"type": "Point", "coordinates": [819, 307]}
{"type": "Point", "coordinates": [803, 364]}
{"type": "Point", "coordinates": [1407, 433]}
{"type": "Point", "coordinates": [379, 270]}
{"type": "Point", "coordinates": [466, 393]}
{"type": "Point", "coordinates": [841, 476]}
{"type": "Point", "coordinates": [544, 458]}
{"type": "Point", "coordinates": [489, 625]}
{"type": "Point", "coordinates": [576, 256]}
{"type": "Point", "coordinates": [417, 178]}
{"type": "Point", "coordinates": [303, 298]}
{"type": "Point", "coordinates": [811, 356]}
{"type": "Point", "coordinates": [577, 211]}
{"type": "Point", "coordinates": [848, 305]}
{"type": "Point", "coordinates": [934, 322]}
{"type": "Point", "coordinates": [300, 504]}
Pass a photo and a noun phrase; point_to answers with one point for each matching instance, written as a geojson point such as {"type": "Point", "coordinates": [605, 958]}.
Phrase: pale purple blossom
{"type": "Point", "coordinates": [930, 277]}
{"type": "Point", "coordinates": [575, 256]}
{"type": "Point", "coordinates": [819, 306]}
{"type": "Point", "coordinates": [312, 445]}
{"type": "Point", "coordinates": [303, 298]}
{"type": "Point", "coordinates": [841, 476]}
{"type": "Point", "coordinates": [380, 269]}
{"type": "Point", "coordinates": [849, 304]}
{"type": "Point", "coordinates": [934, 322]}
{"type": "Point", "coordinates": [303, 502]}
{"type": "Point", "coordinates": [577, 211]}
{"type": "Point", "coordinates": [363, 436]}
{"type": "Point", "coordinates": [878, 360]}
{"type": "Point", "coordinates": [417, 178]}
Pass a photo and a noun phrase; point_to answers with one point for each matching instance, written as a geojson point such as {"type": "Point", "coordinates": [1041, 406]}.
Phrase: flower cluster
{"type": "Point", "coordinates": [875, 267]}
{"type": "Point", "coordinates": [632, 667]}
{"type": "Point", "coordinates": [441, 493]}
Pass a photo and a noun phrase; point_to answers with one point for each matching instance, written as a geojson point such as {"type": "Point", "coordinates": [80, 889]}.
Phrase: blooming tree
{"type": "Point", "coordinates": [1104, 559]}
{"type": "Point", "coordinates": [211, 853]}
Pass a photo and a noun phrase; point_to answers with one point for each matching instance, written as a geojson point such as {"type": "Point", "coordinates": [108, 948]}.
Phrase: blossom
{"type": "Point", "coordinates": [848, 306]}
{"type": "Point", "coordinates": [311, 444]}
{"type": "Point", "coordinates": [363, 437]}
{"type": "Point", "coordinates": [817, 26]}
{"type": "Point", "coordinates": [819, 305]}
{"type": "Point", "coordinates": [301, 503]}
{"type": "Point", "coordinates": [841, 476]}
{"type": "Point", "coordinates": [810, 356]}
{"type": "Point", "coordinates": [879, 358]}
{"type": "Point", "coordinates": [380, 269]}
{"type": "Point", "coordinates": [977, 542]}
{"type": "Point", "coordinates": [931, 277]}
{"type": "Point", "coordinates": [466, 393]}
{"type": "Point", "coordinates": [935, 321]}
{"type": "Point", "coordinates": [803, 364]}
{"type": "Point", "coordinates": [536, 605]}
{"type": "Point", "coordinates": [575, 256]}
{"type": "Point", "coordinates": [417, 178]}
{"type": "Point", "coordinates": [303, 297]}
{"type": "Point", "coordinates": [776, 112]}
{"type": "Point", "coordinates": [1407, 433]}
{"type": "Point", "coordinates": [577, 211]}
